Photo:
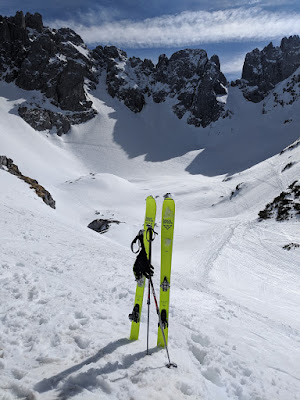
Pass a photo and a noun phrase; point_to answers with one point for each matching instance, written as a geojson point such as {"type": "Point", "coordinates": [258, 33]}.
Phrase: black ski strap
{"type": "Point", "coordinates": [150, 233]}
{"type": "Point", "coordinates": [139, 238]}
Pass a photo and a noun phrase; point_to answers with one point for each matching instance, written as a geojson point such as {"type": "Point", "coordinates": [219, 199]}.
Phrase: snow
{"type": "Point", "coordinates": [284, 95]}
{"type": "Point", "coordinates": [222, 99]}
{"type": "Point", "coordinates": [58, 56]}
{"type": "Point", "coordinates": [81, 49]}
{"type": "Point", "coordinates": [197, 58]}
{"type": "Point", "coordinates": [66, 291]}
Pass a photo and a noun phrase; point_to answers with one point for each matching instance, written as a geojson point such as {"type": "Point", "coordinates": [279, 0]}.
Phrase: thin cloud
{"type": "Point", "coordinates": [234, 65]}
{"type": "Point", "coordinates": [189, 28]}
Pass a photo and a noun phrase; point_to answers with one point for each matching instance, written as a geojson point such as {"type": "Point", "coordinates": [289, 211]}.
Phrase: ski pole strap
{"type": "Point", "coordinates": [150, 233]}
{"type": "Point", "coordinates": [139, 239]}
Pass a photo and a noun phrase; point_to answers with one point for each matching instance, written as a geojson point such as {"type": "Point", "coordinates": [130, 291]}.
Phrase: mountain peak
{"type": "Point", "coordinates": [264, 69]}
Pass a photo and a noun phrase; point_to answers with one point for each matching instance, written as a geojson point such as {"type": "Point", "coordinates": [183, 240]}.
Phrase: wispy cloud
{"type": "Point", "coordinates": [187, 28]}
{"type": "Point", "coordinates": [234, 65]}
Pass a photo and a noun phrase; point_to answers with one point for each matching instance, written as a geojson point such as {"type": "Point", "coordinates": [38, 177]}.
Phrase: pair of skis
{"type": "Point", "coordinates": [167, 229]}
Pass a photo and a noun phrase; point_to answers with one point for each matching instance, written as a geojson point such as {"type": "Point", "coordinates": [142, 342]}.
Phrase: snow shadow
{"type": "Point", "coordinates": [92, 379]}
{"type": "Point", "coordinates": [51, 383]}
{"type": "Point", "coordinates": [153, 136]}
{"type": "Point", "coordinates": [231, 153]}
{"type": "Point", "coordinates": [12, 93]}
{"type": "Point", "coordinates": [228, 146]}
{"type": "Point", "coordinates": [70, 386]}
{"type": "Point", "coordinates": [155, 132]}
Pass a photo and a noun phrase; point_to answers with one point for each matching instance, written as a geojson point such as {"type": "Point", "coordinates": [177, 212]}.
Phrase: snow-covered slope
{"type": "Point", "coordinates": [248, 136]}
{"type": "Point", "coordinates": [67, 291]}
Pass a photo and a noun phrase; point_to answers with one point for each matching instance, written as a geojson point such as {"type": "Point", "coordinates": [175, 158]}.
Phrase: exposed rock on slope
{"type": "Point", "coordinates": [291, 147]}
{"type": "Point", "coordinates": [286, 93]}
{"type": "Point", "coordinates": [8, 165]}
{"type": "Point", "coordinates": [102, 225]}
{"type": "Point", "coordinates": [284, 206]}
{"type": "Point", "coordinates": [290, 246]}
{"type": "Point", "coordinates": [41, 119]}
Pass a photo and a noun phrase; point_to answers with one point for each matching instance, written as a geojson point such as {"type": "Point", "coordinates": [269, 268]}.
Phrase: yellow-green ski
{"type": "Point", "coordinates": [139, 294]}
{"type": "Point", "coordinates": [167, 230]}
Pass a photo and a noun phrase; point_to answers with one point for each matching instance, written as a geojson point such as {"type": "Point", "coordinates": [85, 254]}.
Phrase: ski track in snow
{"type": "Point", "coordinates": [262, 327]}
{"type": "Point", "coordinates": [66, 291]}
{"type": "Point", "coordinates": [199, 337]}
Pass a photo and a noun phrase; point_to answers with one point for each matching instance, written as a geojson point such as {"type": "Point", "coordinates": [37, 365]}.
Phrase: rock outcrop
{"type": "Point", "coordinates": [8, 165]}
{"type": "Point", "coordinates": [266, 68]}
{"type": "Point", "coordinates": [188, 77]}
{"type": "Point", "coordinates": [102, 225]}
{"type": "Point", "coordinates": [54, 62]}
{"type": "Point", "coordinates": [41, 119]}
{"type": "Point", "coordinates": [285, 206]}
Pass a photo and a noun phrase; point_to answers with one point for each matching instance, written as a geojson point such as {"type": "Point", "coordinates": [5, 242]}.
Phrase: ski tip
{"type": "Point", "coordinates": [171, 365]}
{"type": "Point", "coordinates": [168, 196]}
{"type": "Point", "coordinates": [150, 197]}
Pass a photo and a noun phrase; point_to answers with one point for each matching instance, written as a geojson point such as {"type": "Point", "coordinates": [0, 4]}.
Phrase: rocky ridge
{"type": "Point", "coordinates": [264, 69]}
{"type": "Point", "coordinates": [59, 65]}
{"type": "Point", "coordinates": [194, 81]}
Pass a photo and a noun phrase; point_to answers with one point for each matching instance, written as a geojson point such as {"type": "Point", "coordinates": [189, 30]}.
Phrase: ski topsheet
{"type": "Point", "coordinates": [139, 294]}
{"type": "Point", "coordinates": [167, 229]}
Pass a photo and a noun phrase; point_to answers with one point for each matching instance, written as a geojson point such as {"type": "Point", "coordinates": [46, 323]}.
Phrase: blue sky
{"type": "Point", "coordinates": [149, 28]}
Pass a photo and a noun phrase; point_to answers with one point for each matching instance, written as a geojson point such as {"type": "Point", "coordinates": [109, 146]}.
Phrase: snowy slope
{"type": "Point", "coordinates": [248, 136]}
{"type": "Point", "coordinates": [67, 291]}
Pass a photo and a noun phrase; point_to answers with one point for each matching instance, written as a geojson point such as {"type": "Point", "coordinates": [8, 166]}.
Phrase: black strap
{"type": "Point", "coordinates": [139, 238]}
{"type": "Point", "coordinates": [150, 233]}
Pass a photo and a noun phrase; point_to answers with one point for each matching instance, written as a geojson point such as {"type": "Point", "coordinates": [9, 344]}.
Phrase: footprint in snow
{"type": "Point", "coordinates": [33, 294]}
{"type": "Point", "coordinates": [198, 353]}
{"type": "Point", "coordinates": [18, 374]}
{"type": "Point", "coordinates": [74, 326]}
{"type": "Point", "coordinates": [55, 340]}
{"type": "Point", "coordinates": [82, 342]}
{"type": "Point", "coordinates": [20, 264]}
{"type": "Point", "coordinates": [213, 375]}
{"type": "Point", "coordinates": [81, 317]}
{"type": "Point", "coordinates": [16, 293]}
{"type": "Point", "coordinates": [185, 389]}
{"type": "Point", "coordinates": [246, 371]}
{"type": "Point", "coordinates": [200, 339]}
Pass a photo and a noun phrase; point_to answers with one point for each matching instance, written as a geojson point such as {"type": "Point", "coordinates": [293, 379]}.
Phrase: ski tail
{"type": "Point", "coordinates": [135, 316]}
{"type": "Point", "coordinates": [167, 231]}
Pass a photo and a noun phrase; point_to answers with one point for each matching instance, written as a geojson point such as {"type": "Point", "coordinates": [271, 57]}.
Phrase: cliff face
{"type": "Point", "coordinates": [264, 69]}
{"type": "Point", "coordinates": [54, 62]}
{"type": "Point", "coordinates": [188, 76]}
{"type": "Point", "coordinates": [59, 65]}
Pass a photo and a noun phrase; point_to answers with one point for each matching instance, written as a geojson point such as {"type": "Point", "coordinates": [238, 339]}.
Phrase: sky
{"type": "Point", "coordinates": [147, 29]}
